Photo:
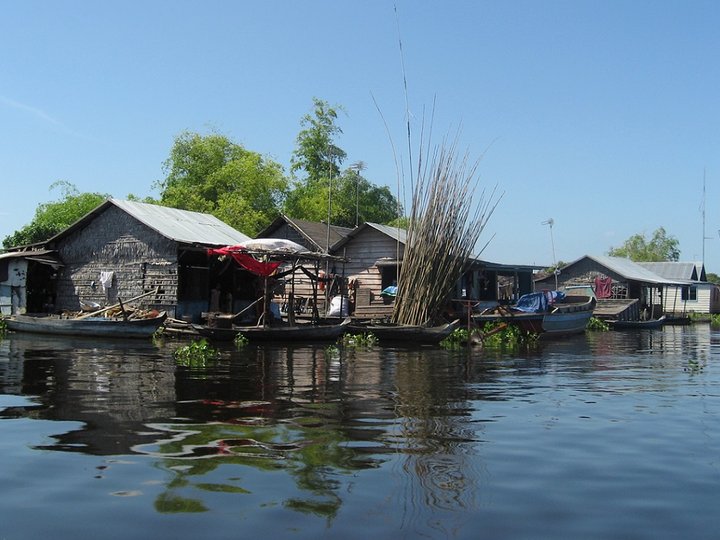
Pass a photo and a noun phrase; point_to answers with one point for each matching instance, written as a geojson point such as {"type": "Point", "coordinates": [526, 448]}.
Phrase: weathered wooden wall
{"type": "Point", "coordinates": [364, 252]}
{"type": "Point", "coordinates": [584, 272]}
{"type": "Point", "coordinates": [140, 258]}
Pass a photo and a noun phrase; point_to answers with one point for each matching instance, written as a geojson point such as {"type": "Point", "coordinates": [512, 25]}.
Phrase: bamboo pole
{"type": "Point", "coordinates": [103, 310]}
{"type": "Point", "coordinates": [441, 236]}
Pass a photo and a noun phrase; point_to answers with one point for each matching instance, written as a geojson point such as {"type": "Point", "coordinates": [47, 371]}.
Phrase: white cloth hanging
{"type": "Point", "coordinates": [106, 279]}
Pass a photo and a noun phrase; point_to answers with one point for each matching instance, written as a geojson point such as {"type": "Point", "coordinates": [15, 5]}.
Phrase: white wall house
{"type": "Point", "coordinates": [695, 295]}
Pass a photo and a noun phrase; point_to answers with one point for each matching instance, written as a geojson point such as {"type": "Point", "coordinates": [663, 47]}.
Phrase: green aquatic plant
{"type": "Point", "coordinates": [715, 320]}
{"type": "Point", "coordinates": [196, 354]}
{"type": "Point", "coordinates": [359, 341]}
{"type": "Point", "coordinates": [598, 325]}
{"type": "Point", "coordinates": [500, 334]}
{"type": "Point", "coordinates": [240, 340]}
{"type": "Point", "coordinates": [461, 337]}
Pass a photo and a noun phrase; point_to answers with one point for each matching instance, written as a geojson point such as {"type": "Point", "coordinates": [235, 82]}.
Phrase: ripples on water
{"type": "Point", "coordinates": [607, 435]}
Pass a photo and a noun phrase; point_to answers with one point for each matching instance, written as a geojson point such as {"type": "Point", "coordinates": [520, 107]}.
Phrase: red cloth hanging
{"type": "Point", "coordinates": [247, 261]}
{"type": "Point", "coordinates": [603, 287]}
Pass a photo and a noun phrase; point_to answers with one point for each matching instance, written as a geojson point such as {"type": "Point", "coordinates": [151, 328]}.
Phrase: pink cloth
{"type": "Point", "coordinates": [603, 287]}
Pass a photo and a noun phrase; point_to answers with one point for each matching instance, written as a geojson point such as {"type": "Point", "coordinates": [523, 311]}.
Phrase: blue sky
{"type": "Point", "coordinates": [602, 115]}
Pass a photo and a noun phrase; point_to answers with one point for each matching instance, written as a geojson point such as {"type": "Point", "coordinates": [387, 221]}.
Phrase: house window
{"type": "Point", "coordinates": [388, 276]}
{"type": "Point", "coordinates": [689, 293]}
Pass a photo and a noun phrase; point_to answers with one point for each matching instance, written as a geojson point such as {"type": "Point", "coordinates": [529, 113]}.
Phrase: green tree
{"type": "Point", "coordinates": [661, 247]}
{"type": "Point", "coordinates": [345, 197]}
{"type": "Point", "coordinates": [54, 217]}
{"type": "Point", "coordinates": [214, 175]}
{"type": "Point", "coordinates": [316, 152]}
{"type": "Point", "coordinates": [712, 278]}
{"type": "Point", "coordinates": [354, 200]}
{"type": "Point", "coordinates": [357, 200]}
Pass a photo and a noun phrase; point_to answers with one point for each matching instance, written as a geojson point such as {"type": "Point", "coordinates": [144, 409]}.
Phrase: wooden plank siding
{"type": "Point", "coordinates": [140, 259]}
{"type": "Point", "coordinates": [366, 253]}
{"type": "Point", "coordinates": [707, 300]}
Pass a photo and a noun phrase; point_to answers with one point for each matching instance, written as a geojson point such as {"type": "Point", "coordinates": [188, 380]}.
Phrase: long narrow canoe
{"type": "Point", "coordinates": [406, 333]}
{"type": "Point", "coordinates": [652, 323]}
{"type": "Point", "coordinates": [301, 332]}
{"type": "Point", "coordinates": [90, 326]}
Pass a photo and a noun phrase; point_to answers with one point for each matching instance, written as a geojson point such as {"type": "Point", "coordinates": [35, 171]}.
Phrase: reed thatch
{"type": "Point", "coordinates": [445, 224]}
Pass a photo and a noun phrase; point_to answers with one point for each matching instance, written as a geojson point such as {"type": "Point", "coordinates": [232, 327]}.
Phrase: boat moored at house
{"type": "Point", "coordinates": [547, 313]}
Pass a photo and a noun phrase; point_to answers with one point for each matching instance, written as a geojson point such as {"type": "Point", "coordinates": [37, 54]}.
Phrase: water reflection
{"type": "Point", "coordinates": [423, 439]}
{"type": "Point", "coordinates": [113, 388]}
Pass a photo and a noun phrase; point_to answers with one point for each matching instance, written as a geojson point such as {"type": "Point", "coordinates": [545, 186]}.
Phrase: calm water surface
{"type": "Point", "coordinates": [607, 435]}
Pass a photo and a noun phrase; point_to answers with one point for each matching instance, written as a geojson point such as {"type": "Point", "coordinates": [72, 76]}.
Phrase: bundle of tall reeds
{"type": "Point", "coordinates": [445, 224]}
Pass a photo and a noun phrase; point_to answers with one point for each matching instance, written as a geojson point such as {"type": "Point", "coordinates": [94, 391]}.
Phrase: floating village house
{"type": "Point", "coordinates": [124, 249]}
{"type": "Point", "coordinates": [365, 260]}
{"type": "Point", "coordinates": [374, 256]}
{"type": "Point", "coordinates": [627, 290]}
{"type": "Point", "coordinates": [697, 295]}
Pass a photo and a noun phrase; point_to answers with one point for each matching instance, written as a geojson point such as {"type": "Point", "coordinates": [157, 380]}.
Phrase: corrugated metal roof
{"type": "Point", "coordinates": [673, 270]}
{"type": "Point", "coordinates": [632, 270]}
{"type": "Point", "coordinates": [182, 225]}
{"type": "Point", "coordinates": [393, 232]}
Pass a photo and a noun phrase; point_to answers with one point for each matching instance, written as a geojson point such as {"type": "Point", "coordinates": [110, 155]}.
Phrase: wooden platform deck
{"type": "Point", "coordinates": [617, 309]}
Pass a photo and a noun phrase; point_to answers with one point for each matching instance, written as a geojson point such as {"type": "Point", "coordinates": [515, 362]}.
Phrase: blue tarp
{"type": "Point", "coordinates": [389, 291]}
{"type": "Point", "coordinates": [538, 302]}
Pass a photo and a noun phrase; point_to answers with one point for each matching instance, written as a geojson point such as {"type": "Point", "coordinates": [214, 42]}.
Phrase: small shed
{"type": "Point", "coordinates": [123, 249]}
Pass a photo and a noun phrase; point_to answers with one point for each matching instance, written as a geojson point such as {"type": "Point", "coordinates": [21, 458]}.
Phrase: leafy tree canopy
{"type": "Point", "coordinates": [661, 247]}
{"type": "Point", "coordinates": [354, 200]}
{"type": "Point", "coordinates": [211, 174]}
{"type": "Point", "coordinates": [54, 217]}
{"type": "Point", "coordinates": [712, 278]}
{"type": "Point", "coordinates": [345, 197]}
{"type": "Point", "coordinates": [316, 152]}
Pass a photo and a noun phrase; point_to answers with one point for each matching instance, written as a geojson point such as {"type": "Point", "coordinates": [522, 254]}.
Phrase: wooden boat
{"type": "Point", "coordinates": [652, 323]}
{"type": "Point", "coordinates": [679, 321]}
{"type": "Point", "coordinates": [390, 332]}
{"type": "Point", "coordinates": [307, 332]}
{"type": "Point", "coordinates": [568, 314]}
{"type": "Point", "coordinates": [100, 327]}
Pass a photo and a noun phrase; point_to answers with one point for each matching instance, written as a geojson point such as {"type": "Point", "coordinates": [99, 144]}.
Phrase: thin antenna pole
{"type": "Point", "coordinates": [358, 166]}
{"type": "Point", "coordinates": [551, 222]}
{"type": "Point", "coordinates": [702, 207]}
